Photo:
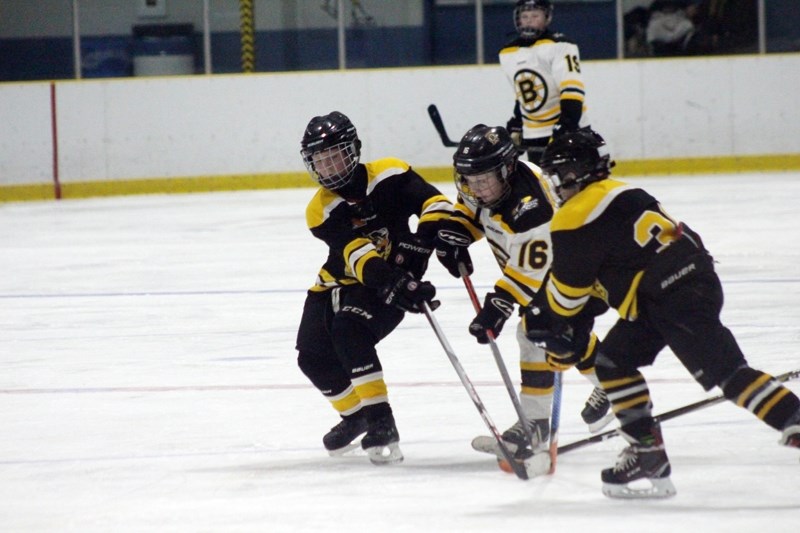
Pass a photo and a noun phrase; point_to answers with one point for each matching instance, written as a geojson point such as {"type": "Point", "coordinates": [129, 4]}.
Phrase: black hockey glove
{"type": "Point", "coordinates": [406, 293]}
{"type": "Point", "coordinates": [412, 255]}
{"type": "Point", "coordinates": [496, 310]}
{"type": "Point", "coordinates": [564, 342]}
{"type": "Point", "coordinates": [514, 128]}
{"type": "Point", "coordinates": [451, 249]}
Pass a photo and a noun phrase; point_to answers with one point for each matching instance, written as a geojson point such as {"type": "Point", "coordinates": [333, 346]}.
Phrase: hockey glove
{"type": "Point", "coordinates": [412, 255]}
{"type": "Point", "coordinates": [496, 310]}
{"type": "Point", "coordinates": [514, 127]}
{"type": "Point", "coordinates": [406, 293]}
{"type": "Point", "coordinates": [559, 130]}
{"type": "Point", "coordinates": [564, 342]}
{"type": "Point", "coordinates": [451, 249]}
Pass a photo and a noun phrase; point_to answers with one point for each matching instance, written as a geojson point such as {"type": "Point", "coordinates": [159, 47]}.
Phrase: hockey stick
{"type": "Point", "coordinates": [555, 420]}
{"type": "Point", "coordinates": [519, 468]}
{"type": "Point", "coordinates": [498, 358]}
{"type": "Point", "coordinates": [669, 415]}
{"type": "Point", "coordinates": [436, 118]}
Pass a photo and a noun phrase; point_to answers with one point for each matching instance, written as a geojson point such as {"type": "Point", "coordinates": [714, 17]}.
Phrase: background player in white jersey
{"type": "Point", "coordinates": [372, 274]}
{"type": "Point", "coordinates": [506, 201]}
{"type": "Point", "coordinates": [544, 70]}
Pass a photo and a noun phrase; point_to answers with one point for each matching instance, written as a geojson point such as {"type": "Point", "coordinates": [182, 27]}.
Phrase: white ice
{"type": "Point", "coordinates": [149, 380]}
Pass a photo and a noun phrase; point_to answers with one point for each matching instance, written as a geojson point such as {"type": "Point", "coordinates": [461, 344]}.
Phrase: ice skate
{"type": "Point", "coordinates": [516, 438]}
{"type": "Point", "coordinates": [381, 441]}
{"type": "Point", "coordinates": [536, 460]}
{"type": "Point", "coordinates": [642, 470]}
{"type": "Point", "coordinates": [340, 439]}
{"type": "Point", "coordinates": [595, 412]}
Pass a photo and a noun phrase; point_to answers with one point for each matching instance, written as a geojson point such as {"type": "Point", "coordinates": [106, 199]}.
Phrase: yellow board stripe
{"type": "Point", "coordinates": [291, 180]}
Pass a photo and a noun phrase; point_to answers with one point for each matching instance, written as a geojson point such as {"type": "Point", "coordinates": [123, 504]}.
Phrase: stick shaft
{"type": "Point", "coordinates": [519, 468]}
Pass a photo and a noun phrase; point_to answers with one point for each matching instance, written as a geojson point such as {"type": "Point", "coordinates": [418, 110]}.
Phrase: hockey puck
{"type": "Point", "coordinates": [504, 466]}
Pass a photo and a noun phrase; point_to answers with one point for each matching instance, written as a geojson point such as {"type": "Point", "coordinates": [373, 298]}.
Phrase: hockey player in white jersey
{"type": "Point", "coordinates": [506, 201]}
{"type": "Point", "coordinates": [544, 70]}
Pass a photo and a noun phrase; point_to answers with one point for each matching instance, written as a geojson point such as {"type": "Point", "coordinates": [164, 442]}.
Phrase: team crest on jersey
{"type": "Point", "coordinates": [524, 205]}
{"type": "Point", "coordinates": [531, 90]}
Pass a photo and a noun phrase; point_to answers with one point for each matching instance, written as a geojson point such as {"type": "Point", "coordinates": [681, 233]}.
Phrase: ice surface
{"type": "Point", "coordinates": [149, 382]}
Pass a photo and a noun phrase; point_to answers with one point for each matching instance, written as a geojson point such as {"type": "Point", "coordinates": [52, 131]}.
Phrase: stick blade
{"type": "Point", "coordinates": [436, 118]}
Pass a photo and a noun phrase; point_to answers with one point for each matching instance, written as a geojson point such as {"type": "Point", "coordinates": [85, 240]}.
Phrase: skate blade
{"type": "Point", "coordinates": [385, 455]}
{"type": "Point", "coordinates": [344, 450]}
{"type": "Point", "coordinates": [639, 489]}
{"type": "Point", "coordinates": [595, 427]}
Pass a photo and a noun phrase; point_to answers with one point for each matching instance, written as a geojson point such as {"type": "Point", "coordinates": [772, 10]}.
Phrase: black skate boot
{"type": "Point", "coordinates": [381, 440]}
{"type": "Point", "coordinates": [533, 454]}
{"type": "Point", "coordinates": [645, 459]}
{"type": "Point", "coordinates": [595, 412]}
{"type": "Point", "coordinates": [339, 439]}
{"type": "Point", "coordinates": [517, 441]}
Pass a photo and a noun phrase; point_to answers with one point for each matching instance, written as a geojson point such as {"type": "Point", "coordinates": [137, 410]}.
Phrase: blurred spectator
{"type": "Point", "coordinates": [732, 25]}
{"type": "Point", "coordinates": [635, 27]}
{"type": "Point", "coordinates": [669, 29]}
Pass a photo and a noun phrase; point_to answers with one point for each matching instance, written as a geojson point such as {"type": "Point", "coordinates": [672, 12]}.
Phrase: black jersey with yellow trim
{"type": "Point", "coordinates": [603, 240]}
{"type": "Point", "coordinates": [361, 234]}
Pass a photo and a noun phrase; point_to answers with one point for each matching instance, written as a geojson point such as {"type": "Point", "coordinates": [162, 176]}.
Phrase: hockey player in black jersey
{"type": "Point", "coordinates": [544, 71]}
{"type": "Point", "coordinates": [372, 276]}
{"type": "Point", "coordinates": [507, 201]}
{"type": "Point", "coordinates": [616, 241]}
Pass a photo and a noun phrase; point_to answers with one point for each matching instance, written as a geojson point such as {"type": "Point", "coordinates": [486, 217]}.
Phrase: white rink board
{"type": "Point", "coordinates": [141, 128]}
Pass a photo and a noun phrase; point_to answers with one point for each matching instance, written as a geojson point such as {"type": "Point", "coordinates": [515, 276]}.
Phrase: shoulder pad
{"type": "Point", "coordinates": [387, 163]}
{"type": "Point", "coordinates": [588, 204]}
{"type": "Point", "coordinates": [320, 206]}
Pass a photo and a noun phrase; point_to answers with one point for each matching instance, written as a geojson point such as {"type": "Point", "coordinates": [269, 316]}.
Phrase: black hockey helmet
{"type": "Point", "coordinates": [578, 157]}
{"type": "Point", "coordinates": [526, 32]}
{"type": "Point", "coordinates": [486, 154]}
{"type": "Point", "coordinates": [331, 150]}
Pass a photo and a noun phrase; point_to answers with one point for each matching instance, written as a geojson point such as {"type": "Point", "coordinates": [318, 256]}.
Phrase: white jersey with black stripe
{"type": "Point", "coordinates": [542, 73]}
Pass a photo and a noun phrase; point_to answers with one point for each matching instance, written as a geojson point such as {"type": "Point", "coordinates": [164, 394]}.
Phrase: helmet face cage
{"type": "Point", "coordinates": [483, 164]}
{"type": "Point", "coordinates": [486, 189]}
{"type": "Point", "coordinates": [331, 150]}
{"type": "Point", "coordinates": [526, 32]}
{"type": "Point", "coordinates": [332, 167]}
